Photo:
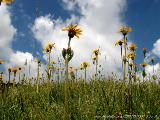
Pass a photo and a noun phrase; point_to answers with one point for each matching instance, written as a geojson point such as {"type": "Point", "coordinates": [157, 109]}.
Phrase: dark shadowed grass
{"type": "Point", "coordinates": [87, 101]}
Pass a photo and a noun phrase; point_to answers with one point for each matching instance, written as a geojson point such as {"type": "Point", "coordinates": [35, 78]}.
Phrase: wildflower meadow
{"type": "Point", "coordinates": [65, 92]}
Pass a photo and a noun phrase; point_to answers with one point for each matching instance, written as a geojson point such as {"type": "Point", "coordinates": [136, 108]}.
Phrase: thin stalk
{"type": "Point", "coordinates": [61, 74]}
{"type": "Point", "coordinates": [19, 76]}
{"type": "Point", "coordinates": [38, 79]}
{"type": "Point", "coordinates": [49, 73]}
{"type": "Point", "coordinates": [124, 59]}
{"type": "Point", "coordinates": [1, 77]}
{"type": "Point", "coordinates": [9, 77]}
{"type": "Point", "coordinates": [76, 75]}
{"type": "Point", "coordinates": [121, 51]}
{"type": "Point", "coordinates": [58, 76]}
{"type": "Point", "coordinates": [96, 67]}
{"type": "Point", "coordinates": [66, 85]}
{"type": "Point", "coordinates": [134, 70]}
{"type": "Point", "coordinates": [14, 79]}
{"type": "Point", "coordinates": [153, 68]}
{"type": "Point", "coordinates": [85, 72]}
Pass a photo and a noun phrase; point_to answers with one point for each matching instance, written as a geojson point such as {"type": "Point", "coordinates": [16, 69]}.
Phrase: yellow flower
{"type": "Point", "coordinates": [132, 47]}
{"type": "Point", "coordinates": [94, 58]}
{"type": "Point", "coordinates": [85, 65]}
{"type": "Point", "coordinates": [125, 30]}
{"type": "Point", "coordinates": [80, 68]}
{"type": "Point", "coordinates": [144, 50]}
{"type": "Point", "coordinates": [119, 42]}
{"type": "Point", "coordinates": [76, 69]}
{"type": "Point", "coordinates": [1, 62]}
{"type": "Point", "coordinates": [131, 56]}
{"type": "Point", "coordinates": [14, 70]}
{"type": "Point", "coordinates": [48, 48]}
{"type": "Point", "coordinates": [144, 64]}
{"type": "Point", "coordinates": [131, 65]}
{"type": "Point", "coordinates": [73, 30]}
{"type": "Point", "coordinates": [9, 70]}
{"type": "Point", "coordinates": [51, 67]}
{"type": "Point", "coordinates": [96, 52]}
{"type": "Point", "coordinates": [38, 61]}
{"type": "Point", "coordinates": [60, 68]}
{"type": "Point", "coordinates": [7, 1]}
{"type": "Point", "coordinates": [53, 62]}
{"type": "Point", "coordinates": [71, 70]}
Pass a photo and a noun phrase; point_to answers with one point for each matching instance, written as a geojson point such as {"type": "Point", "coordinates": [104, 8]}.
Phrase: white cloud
{"type": "Point", "coordinates": [18, 59]}
{"type": "Point", "coordinates": [7, 33]}
{"type": "Point", "coordinates": [99, 20]}
{"type": "Point", "coordinates": [154, 52]}
{"type": "Point", "coordinates": [156, 48]}
{"type": "Point", "coordinates": [43, 29]}
{"type": "Point", "coordinates": [150, 69]}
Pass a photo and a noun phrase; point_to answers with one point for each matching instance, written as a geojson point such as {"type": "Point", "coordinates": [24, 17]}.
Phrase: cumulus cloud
{"type": "Point", "coordinates": [26, 61]}
{"type": "Point", "coordinates": [153, 69]}
{"type": "Point", "coordinates": [7, 33]}
{"type": "Point", "coordinates": [43, 29]}
{"type": "Point", "coordinates": [156, 48]}
{"type": "Point", "coordinates": [99, 20]}
{"type": "Point", "coordinates": [156, 53]}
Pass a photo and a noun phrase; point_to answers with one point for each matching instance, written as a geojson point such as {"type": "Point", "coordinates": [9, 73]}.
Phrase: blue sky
{"type": "Point", "coordinates": [24, 14]}
{"type": "Point", "coordinates": [141, 15]}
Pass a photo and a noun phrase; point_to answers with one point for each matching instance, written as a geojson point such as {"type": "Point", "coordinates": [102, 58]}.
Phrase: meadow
{"type": "Point", "coordinates": [133, 96]}
{"type": "Point", "coordinates": [130, 97]}
{"type": "Point", "coordinates": [86, 101]}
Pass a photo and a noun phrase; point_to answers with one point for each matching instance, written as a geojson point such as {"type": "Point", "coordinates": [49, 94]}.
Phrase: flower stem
{"type": "Point", "coordinates": [37, 79]}
{"type": "Point", "coordinates": [9, 77]}
{"type": "Point", "coordinates": [49, 73]}
{"type": "Point", "coordinates": [124, 60]}
{"type": "Point", "coordinates": [66, 84]}
{"type": "Point", "coordinates": [85, 74]}
{"type": "Point", "coordinates": [96, 68]}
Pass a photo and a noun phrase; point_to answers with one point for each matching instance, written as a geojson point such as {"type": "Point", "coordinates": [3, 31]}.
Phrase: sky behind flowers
{"type": "Point", "coordinates": [24, 34]}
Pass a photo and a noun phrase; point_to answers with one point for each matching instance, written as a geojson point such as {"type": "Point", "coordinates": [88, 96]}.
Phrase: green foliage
{"type": "Point", "coordinates": [86, 100]}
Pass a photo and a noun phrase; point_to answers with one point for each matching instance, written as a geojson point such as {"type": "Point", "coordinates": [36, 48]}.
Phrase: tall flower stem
{"type": "Point", "coordinates": [1, 76]}
{"type": "Point", "coordinates": [73, 30]}
{"type": "Point", "coordinates": [58, 77]}
{"type": "Point", "coordinates": [14, 79]}
{"type": "Point", "coordinates": [9, 77]}
{"type": "Point", "coordinates": [49, 72]}
{"type": "Point", "coordinates": [124, 59]}
{"type": "Point", "coordinates": [19, 77]}
{"type": "Point", "coordinates": [66, 61]}
{"type": "Point", "coordinates": [134, 71]}
{"type": "Point", "coordinates": [61, 74]}
{"type": "Point", "coordinates": [85, 72]}
{"type": "Point", "coordinates": [38, 77]}
{"type": "Point", "coordinates": [121, 51]}
{"type": "Point", "coordinates": [96, 68]}
{"type": "Point", "coordinates": [76, 74]}
{"type": "Point", "coordinates": [66, 83]}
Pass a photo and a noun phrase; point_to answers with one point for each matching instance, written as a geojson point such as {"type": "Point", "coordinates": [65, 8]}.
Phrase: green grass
{"type": "Point", "coordinates": [86, 101]}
